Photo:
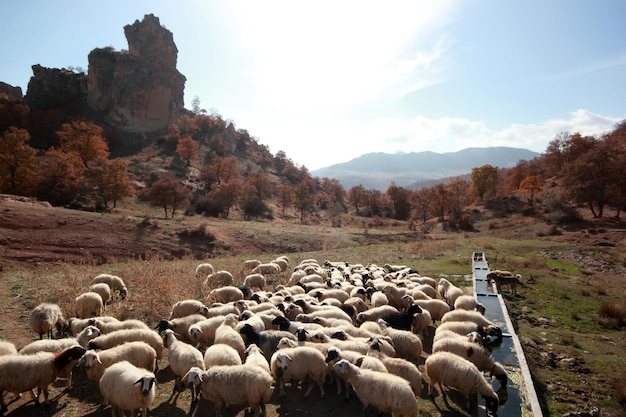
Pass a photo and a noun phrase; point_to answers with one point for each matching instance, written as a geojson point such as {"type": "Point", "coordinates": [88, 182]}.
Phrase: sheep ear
{"type": "Point", "coordinates": [288, 357]}
{"type": "Point", "coordinates": [138, 381]}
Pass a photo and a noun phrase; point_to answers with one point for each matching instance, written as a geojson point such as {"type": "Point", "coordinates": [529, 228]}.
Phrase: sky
{"type": "Point", "coordinates": [328, 81]}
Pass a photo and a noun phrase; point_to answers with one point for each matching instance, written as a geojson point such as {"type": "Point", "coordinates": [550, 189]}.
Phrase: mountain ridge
{"type": "Point", "coordinates": [377, 170]}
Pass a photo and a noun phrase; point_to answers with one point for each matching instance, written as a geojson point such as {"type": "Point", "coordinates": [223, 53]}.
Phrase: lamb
{"type": "Point", "coordinates": [89, 304]}
{"type": "Point", "coordinates": [445, 368]}
{"type": "Point", "coordinates": [255, 281]}
{"type": "Point", "coordinates": [127, 387]}
{"type": "Point", "coordinates": [104, 290]}
{"type": "Point", "coordinates": [298, 363]}
{"type": "Point", "coordinates": [139, 354]}
{"type": "Point", "coordinates": [466, 315]}
{"type": "Point", "coordinates": [182, 357]}
{"type": "Point", "coordinates": [386, 392]}
{"type": "Point", "coordinates": [255, 357]}
{"type": "Point", "coordinates": [226, 333]}
{"type": "Point", "coordinates": [477, 354]}
{"type": "Point", "coordinates": [468, 302]}
{"type": "Point", "coordinates": [229, 385]}
{"type": "Point", "coordinates": [115, 283]}
{"type": "Point", "coordinates": [186, 308]}
{"type": "Point", "coordinates": [224, 295]}
{"type": "Point", "coordinates": [19, 373]}
{"type": "Point", "coordinates": [7, 348]}
{"type": "Point", "coordinates": [46, 317]}
{"type": "Point", "coordinates": [221, 355]}
{"type": "Point", "coordinates": [202, 333]}
{"type": "Point", "coordinates": [267, 269]}
{"type": "Point", "coordinates": [220, 278]}
{"type": "Point", "coordinates": [107, 341]}
{"type": "Point", "coordinates": [204, 269]}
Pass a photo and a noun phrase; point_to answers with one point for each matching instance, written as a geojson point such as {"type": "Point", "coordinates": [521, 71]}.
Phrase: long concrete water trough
{"type": "Point", "coordinates": [519, 398]}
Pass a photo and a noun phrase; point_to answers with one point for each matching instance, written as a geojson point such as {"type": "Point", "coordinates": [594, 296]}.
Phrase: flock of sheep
{"type": "Point", "coordinates": [360, 327]}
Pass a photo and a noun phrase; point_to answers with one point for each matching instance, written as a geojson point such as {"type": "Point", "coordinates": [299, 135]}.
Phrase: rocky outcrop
{"type": "Point", "coordinates": [8, 92]}
{"type": "Point", "coordinates": [138, 90]}
{"type": "Point", "coordinates": [53, 88]}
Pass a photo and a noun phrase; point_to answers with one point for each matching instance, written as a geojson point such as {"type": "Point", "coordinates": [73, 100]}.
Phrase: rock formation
{"type": "Point", "coordinates": [53, 88]}
{"type": "Point", "coordinates": [8, 92]}
{"type": "Point", "coordinates": [138, 90]}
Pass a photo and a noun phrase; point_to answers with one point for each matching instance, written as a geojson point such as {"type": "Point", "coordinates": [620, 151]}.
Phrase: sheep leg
{"type": "Point", "coordinates": [3, 406]}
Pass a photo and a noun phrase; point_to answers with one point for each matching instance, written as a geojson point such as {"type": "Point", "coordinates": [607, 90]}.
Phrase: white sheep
{"type": "Point", "coordinates": [180, 325]}
{"type": "Point", "coordinates": [375, 313]}
{"type": "Point", "coordinates": [475, 353]}
{"type": "Point", "coordinates": [181, 357]}
{"type": "Point", "coordinates": [298, 363]}
{"type": "Point", "coordinates": [255, 281]}
{"type": "Point", "coordinates": [116, 284]}
{"type": "Point", "coordinates": [224, 295]}
{"type": "Point", "coordinates": [267, 269]}
{"type": "Point", "coordinates": [386, 392]}
{"type": "Point", "coordinates": [7, 348]}
{"type": "Point", "coordinates": [466, 315]}
{"type": "Point", "coordinates": [221, 355]}
{"type": "Point", "coordinates": [186, 308]}
{"type": "Point", "coordinates": [255, 357]}
{"type": "Point", "coordinates": [45, 318]}
{"type": "Point", "coordinates": [449, 291]}
{"type": "Point", "coordinates": [55, 346]}
{"type": "Point", "coordinates": [20, 373]}
{"type": "Point", "coordinates": [231, 385]}
{"type": "Point", "coordinates": [104, 290]}
{"type": "Point", "coordinates": [378, 299]}
{"type": "Point", "coordinates": [436, 308]}
{"type": "Point", "coordinates": [107, 341]}
{"type": "Point", "coordinates": [202, 333]}
{"type": "Point", "coordinates": [140, 354]}
{"type": "Point", "coordinates": [218, 279]}
{"type": "Point", "coordinates": [127, 387]}
{"type": "Point", "coordinates": [204, 269]}
{"type": "Point", "coordinates": [77, 325]}
{"type": "Point", "coordinates": [111, 326]}
{"type": "Point", "coordinates": [89, 304]}
{"type": "Point", "coordinates": [250, 264]}
{"type": "Point", "coordinates": [445, 368]}
{"type": "Point", "coordinates": [407, 344]}
{"type": "Point", "coordinates": [226, 334]}
{"type": "Point", "coordinates": [468, 302]}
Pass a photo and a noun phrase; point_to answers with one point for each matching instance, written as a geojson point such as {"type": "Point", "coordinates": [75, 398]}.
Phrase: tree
{"type": "Point", "coordinates": [284, 196]}
{"type": "Point", "coordinates": [400, 200]}
{"type": "Point", "coordinates": [220, 170]}
{"type": "Point", "coordinates": [17, 162]}
{"type": "Point", "coordinates": [195, 106]}
{"type": "Point", "coordinates": [84, 138]}
{"type": "Point", "coordinates": [356, 196]}
{"type": "Point", "coordinates": [187, 149]}
{"type": "Point", "coordinates": [303, 197]}
{"type": "Point", "coordinates": [60, 176]}
{"type": "Point", "coordinates": [421, 201]}
{"type": "Point", "coordinates": [168, 194]}
{"type": "Point", "coordinates": [484, 180]}
{"type": "Point", "coordinates": [531, 186]}
{"type": "Point", "coordinates": [112, 182]}
{"type": "Point", "coordinates": [458, 191]}
{"type": "Point", "coordinates": [256, 190]}
{"type": "Point", "coordinates": [440, 200]}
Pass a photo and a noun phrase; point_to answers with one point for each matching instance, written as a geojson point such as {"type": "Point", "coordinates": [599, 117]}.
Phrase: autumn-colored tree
{"type": "Point", "coordinates": [60, 176]}
{"type": "Point", "coordinates": [17, 162]}
{"type": "Point", "coordinates": [222, 198]}
{"type": "Point", "coordinates": [291, 173]}
{"type": "Point", "coordinates": [110, 179]}
{"type": "Point", "coordinates": [168, 194]}
{"type": "Point", "coordinates": [187, 149]}
{"type": "Point", "coordinates": [171, 137]}
{"type": "Point", "coordinates": [284, 196]}
{"type": "Point", "coordinates": [484, 180]}
{"type": "Point", "coordinates": [356, 196]}
{"type": "Point", "coordinates": [303, 197]}
{"type": "Point", "coordinates": [220, 170]}
{"type": "Point", "coordinates": [330, 193]}
{"type": "Point", "coordinates": [219, 145]}
{"type": "Point", "coordinates": [187, 125]}
{"type": "Point", "coordinates": [256, 190]}
{"type": "Point", "coordinates": [400, 201]}
{"type": "Point", "coordinates": [458, 192]}
{"type": "Point", "coordinates": [531, 186]}
{"type": "Point", "coordinates": [86, 139]}
{"type": "Point", "coordinates": [440, 200]}
{"type": "Point", "coordinates": [421, 203]}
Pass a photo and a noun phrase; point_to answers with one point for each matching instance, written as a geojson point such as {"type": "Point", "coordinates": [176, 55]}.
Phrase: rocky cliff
{"type": "Point", "coordinates": [138, 90]}
{"type": "Point", "coordinates": [8, 92]}
{"type": "Point", "coordinates": [53, 88]}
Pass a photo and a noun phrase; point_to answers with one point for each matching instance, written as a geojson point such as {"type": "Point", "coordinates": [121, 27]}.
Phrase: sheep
{"type": "Point", "coordinates": [220, 278]}
{"type": "Point", "coordinates": [252, 319]}
{"type": "Point", "coordinates": [400, 367]}
{"type": "Point", "coordinates": [466, 315]}
{"type": "Point", "coordinates": [394, 295]}
{"type": "Point", "coordinates": [468, 302]}
{"type": "Point", "coordinates": [377, 299]}
{"type": "Point", "coordinates": [89, 304]}
{"type": "Point", "coordinates": [421, 322]}
{"type": "Point", "coordinates": [354, 345]}
{"type": "Point", "coordinates": [46, 317]}
{"type": "Point", "coordinates": [140, 354]}
{"type": "Point", "coordinates": [204, 269]}
{"type": "Point", "coordinates": [181, 357]}
{"type": "Point", "coordinates": [77, 325]}
{"type": "Point", "coordinates": [282, 262]}
{"type": "Point", "coordinates": [104, 290]}
{"type": "Point", "coordinates": [107, 341]}
{"type": "Point", "coordinates": [19, 373]}
{"type": "Point", "coordinates": [255, 357]}
{"type": "Point", "coordinates": [224, 309]}
{"type": "Point", "coordinates": [220, 355]}
{"type": "Point", "coordinates": [186, 308]}
{"type": "Point", "coordinates": [224, 295]}
{"type": "Point", "coordinates": [445, 368]}
{"type": "Point", "coordinates": [436, 308]}
{"type": "Point", "coordinates": [374, 313]}
{"type": "Point", "coordinates": [7, 348]}
{"type": "Point", "coordinates": [402, 320]}
{"type": "Point", "coordinates": [255, 281]}
{"type": "Point", "coordinates": [473, 337]}
{"type": "Point", "coordinates": [267, 269]}
{"type": "Point", "coordinates": [466, 327]}
{"type": "Point", "coordinates": [449, 291]}
{"type": "Point", "coordinates": [127, 387]}
{"type": "Point", "coordinates": [115, 283]}
{"type": "Point", "coordinates": [386, 392]}
{"type": "Point", "coordinates": [371, 363]}
{"type": "Point", "coordinates": [111, 326]}
{"type": "Point", "coordinates": [266, 340]}
{"type": "Point", "coordinates": [475, 353]}
{"type": "Point", "coordinates": [333, 356]}
{"type": "Point", "coordinates": [407, 345]}
{"type": "Point", "coordinates": [226, 333]}
{"type": "Point", "coordinates": [250, 264]}
{"type": "Point", "coordinates": [180, 325]}
{"type": "Point", "coordinates": [298, 363]}
{"type": "Point", "coordinates": [202, 333]}
{"type": "Point", "coordinates": [87, 334]}
{"type": "Point", "coordinates": [57, 345]}
{"type": "Point", "coordinates": [229, 385]}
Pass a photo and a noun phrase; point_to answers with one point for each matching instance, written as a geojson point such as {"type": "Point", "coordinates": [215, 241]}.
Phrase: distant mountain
{"type": "Point", "coordinates": [411, 170]}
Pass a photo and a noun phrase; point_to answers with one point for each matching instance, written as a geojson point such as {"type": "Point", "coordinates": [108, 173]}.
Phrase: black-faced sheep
{"type": "Point", "coordinates": [140, 354]}
{"type": "Point", "coordinates": [127, 387]}
{"type": "Point", "coordinates": [181, 357]}
{"type": "Point", "coordinates": [115, 283]}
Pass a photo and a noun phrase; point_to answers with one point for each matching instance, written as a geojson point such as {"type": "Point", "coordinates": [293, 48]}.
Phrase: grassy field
{"type": "Point", "coordinates": [569, 315]}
